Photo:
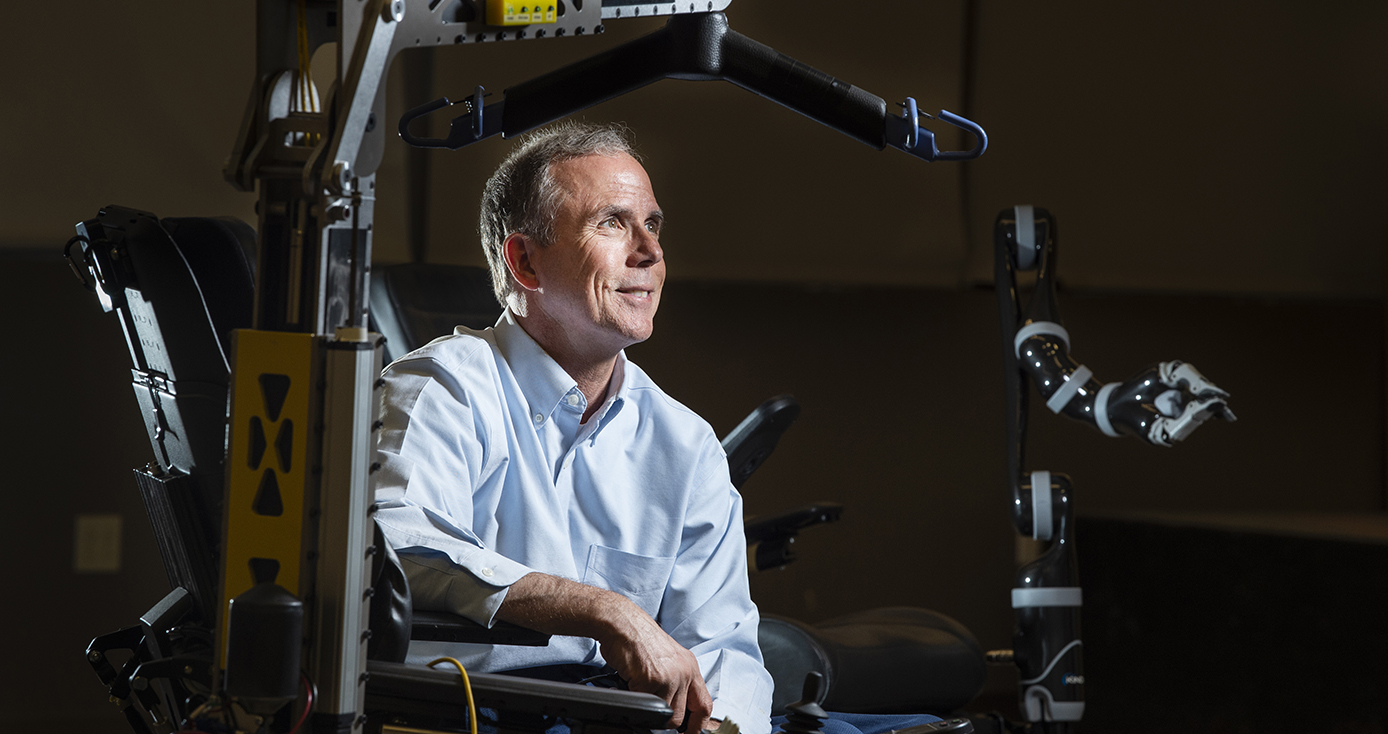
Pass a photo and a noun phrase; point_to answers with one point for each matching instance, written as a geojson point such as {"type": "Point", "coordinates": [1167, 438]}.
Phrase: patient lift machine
{"type": "Point", "coordinates": [296, 552]}
{"type": "Point", "coordinates": [296, 542]}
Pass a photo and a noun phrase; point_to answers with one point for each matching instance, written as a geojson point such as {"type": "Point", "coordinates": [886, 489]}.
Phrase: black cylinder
{"type": "Point", "coordinates": [265, 628]}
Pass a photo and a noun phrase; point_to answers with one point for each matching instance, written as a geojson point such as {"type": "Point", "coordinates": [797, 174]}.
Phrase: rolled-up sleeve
{"type": "Point", "coordinates": [432, 453]}
{"type": "Point", "coordinates": [707, 606]}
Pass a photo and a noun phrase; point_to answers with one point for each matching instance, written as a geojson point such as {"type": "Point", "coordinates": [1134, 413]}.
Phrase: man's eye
{"type": "Point", "coordinates": [653, 227]}
{"type": "Point", "coordinates": [610, 222]}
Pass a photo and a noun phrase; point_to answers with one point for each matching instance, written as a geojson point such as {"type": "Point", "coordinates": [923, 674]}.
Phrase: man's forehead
{"type": "Point", "coordinates": [602, 176]}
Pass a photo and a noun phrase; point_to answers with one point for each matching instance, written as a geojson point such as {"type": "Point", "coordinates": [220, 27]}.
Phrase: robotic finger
{"type": "Point", "coordinates": [1166, 430]}
{"type": "Point", "coordinates": [1184, 375]}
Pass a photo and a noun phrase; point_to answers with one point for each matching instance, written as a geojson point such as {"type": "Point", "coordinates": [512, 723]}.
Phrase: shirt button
{"type": "Point", "coordinates": [539, 419]}
{"type": "Point", "coordinates": [488, 572]}
{"type": "Point", "coordinates": [572, 399]}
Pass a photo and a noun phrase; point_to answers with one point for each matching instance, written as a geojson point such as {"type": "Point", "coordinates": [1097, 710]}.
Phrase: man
{"type": "Point", "coordinates": [531, 474]}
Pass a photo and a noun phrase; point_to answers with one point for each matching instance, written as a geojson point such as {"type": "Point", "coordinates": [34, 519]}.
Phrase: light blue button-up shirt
{"type": "Point", "coordinates": [487, 474]}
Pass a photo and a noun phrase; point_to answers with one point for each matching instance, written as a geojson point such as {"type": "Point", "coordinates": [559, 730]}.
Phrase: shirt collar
{"type": "Point", "coordinates": [542, 381]}
{"type": "Point", "coordinates": [615, 397]}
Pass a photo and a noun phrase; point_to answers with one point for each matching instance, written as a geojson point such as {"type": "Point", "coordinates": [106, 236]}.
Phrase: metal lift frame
{"type": "Point", "coordinates": [310, 361]}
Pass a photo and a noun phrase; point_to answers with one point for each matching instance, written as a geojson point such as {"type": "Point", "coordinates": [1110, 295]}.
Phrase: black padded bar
{"type": "Point", "coordinates": [769, 73]}
{"type": "Point", "coordinates": [697, 47]}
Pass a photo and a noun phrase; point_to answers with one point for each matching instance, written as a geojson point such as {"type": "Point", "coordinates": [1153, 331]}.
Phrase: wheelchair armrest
{"type": "Point", "coordinates": [790, 522]}
{"type": "Point", "coordinates": [748, 445]}
{"type": "Point", "coordinates": [399, 689]}
{"type": "Point", "coordinates": [773, 535]}
{"type": "Point", "coordinates": [445, 627]}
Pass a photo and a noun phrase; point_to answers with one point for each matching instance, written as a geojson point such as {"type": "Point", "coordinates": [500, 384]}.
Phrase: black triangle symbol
{"type": "Point", "coordinates": [257, 451]}
{"type": "Point", "coordinates": [267, 497]}
{"type": "Point", "coordinates": [264, 569]}
{"type": "Point", "coordinates": [284, 444]}
{"type": "Point", "coordinates": [274, 388]}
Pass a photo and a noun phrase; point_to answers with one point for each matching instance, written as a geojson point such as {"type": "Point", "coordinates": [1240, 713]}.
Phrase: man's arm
{"type": "Point", "coordinates": [432, 445]}
{"type": "Point", "coordinates": [630, 641]}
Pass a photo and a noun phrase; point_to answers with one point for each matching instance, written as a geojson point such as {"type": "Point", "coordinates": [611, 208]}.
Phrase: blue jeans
{"type": "Point", "coordinates": [864, 723]}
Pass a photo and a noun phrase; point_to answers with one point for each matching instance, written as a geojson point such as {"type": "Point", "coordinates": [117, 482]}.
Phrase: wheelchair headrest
{"type": "Point", "coordinates": [415, 303]}
{"type": "Point", "coordinates": [220, 253]}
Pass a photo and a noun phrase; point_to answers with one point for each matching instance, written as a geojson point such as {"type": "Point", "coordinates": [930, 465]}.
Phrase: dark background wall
{"type": "Point", "coordinates": [1216, 170]}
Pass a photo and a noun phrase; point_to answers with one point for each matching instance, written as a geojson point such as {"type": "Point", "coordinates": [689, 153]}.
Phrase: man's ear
{"type": "Point", "coordinates": [516, 250]}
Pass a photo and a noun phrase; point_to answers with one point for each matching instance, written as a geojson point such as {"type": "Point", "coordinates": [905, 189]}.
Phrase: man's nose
{"type": "Point", "coordinates": [647, 250]}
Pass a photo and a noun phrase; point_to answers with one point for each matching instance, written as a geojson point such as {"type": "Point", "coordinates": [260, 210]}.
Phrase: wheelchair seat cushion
{"type": "Point", "coordinates": [890, 660]}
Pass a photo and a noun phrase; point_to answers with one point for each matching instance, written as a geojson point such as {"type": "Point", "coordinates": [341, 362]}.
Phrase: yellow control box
{"type": "Point", "coordinates": [521, 12]}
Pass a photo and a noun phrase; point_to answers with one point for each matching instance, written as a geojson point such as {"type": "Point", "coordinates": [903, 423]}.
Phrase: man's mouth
{"type": "Point", "coordinates": [637, 292]}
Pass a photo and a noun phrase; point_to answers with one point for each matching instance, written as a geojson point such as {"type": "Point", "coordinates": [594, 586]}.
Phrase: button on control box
{"type": "Point", "coordinates": [520, 12]}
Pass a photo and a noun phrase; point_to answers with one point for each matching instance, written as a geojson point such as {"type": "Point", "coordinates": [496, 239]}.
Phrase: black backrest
{"type": "Point", "coordinates": [414, 303]}
{"type": "Point", "coordinates": [179, 288]}
{"type": "Point", "coordinates": [178, 301]}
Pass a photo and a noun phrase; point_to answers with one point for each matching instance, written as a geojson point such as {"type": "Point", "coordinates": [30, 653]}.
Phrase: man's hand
{"type": "Point", "coordinates": [647, 658]}
{"type": "Point", "coordinates": [652, 662]}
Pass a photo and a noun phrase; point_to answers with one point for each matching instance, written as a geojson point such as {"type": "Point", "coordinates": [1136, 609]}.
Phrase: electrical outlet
{"type": "Point", "coordinates": [96, 546]}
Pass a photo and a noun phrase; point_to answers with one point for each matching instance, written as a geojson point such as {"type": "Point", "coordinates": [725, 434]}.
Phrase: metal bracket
{"type": "Point", "coordinates": [358, 96]}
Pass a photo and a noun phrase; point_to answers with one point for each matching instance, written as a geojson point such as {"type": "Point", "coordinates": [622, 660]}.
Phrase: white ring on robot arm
{"type": "Point", "coordinates": [1069, 389]}
{"type": "Point", "coordinates": [1101, 410]}
{"type": "Point", "coordinates": [1039, 327]}
{"type": "Point", "coordinates": [1025, 220]}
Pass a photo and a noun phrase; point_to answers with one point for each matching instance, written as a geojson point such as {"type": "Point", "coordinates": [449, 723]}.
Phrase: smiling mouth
{"type": "Point", "coordinates": [639, 293]}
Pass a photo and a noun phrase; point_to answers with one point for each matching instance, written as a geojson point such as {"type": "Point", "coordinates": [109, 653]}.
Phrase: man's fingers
{"type": "Point", "coordinates": [699, 703]}
{"type": "Point", "coordinates": [677, 704]}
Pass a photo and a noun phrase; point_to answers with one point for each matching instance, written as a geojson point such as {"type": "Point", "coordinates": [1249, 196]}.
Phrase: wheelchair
{"type": "Point", "coordinates": [180, 287]}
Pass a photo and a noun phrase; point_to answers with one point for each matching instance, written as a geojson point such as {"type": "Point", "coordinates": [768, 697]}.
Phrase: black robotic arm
{"type": "Point", "coordinates": [1161, 404]}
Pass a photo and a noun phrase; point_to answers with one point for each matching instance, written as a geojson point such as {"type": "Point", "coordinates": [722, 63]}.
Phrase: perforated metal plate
{"type": "Point", "coordinates": [450, 22]}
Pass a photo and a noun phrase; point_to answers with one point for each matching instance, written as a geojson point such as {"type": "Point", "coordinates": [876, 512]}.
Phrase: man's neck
{"type": "Point", "coordinates": [592, 372]}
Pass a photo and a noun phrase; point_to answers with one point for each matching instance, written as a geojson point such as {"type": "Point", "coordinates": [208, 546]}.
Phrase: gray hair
{"type": "Point", "coordinates": [523, 197]}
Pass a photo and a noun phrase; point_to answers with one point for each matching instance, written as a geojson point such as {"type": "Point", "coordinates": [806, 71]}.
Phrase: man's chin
{"type": "Point", "coordinates": [636, 333]}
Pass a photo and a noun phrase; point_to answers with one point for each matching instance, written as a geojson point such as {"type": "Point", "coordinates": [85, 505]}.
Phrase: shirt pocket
{"type": "Point", "coordinates": [639, 578]}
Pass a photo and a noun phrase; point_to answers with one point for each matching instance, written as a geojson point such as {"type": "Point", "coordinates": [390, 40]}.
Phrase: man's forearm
{"type": "Point", "coordinates": [558, 606]}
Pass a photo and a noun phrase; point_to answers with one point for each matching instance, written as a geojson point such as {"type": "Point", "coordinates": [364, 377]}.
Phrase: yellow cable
{"type": "Point", "coordinates": [308, 101]}
{"type": "Point", "coordinates": [467, 686]}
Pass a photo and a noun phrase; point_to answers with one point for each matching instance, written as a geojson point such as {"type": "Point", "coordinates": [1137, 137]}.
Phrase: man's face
{"type": "Point", "coordinates": [601, 278]}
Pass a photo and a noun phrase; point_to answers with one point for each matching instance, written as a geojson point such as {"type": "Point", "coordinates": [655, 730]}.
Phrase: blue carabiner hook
{"type": "Point", "coordinates": [969, 125]}
{"type": "Point", "coordinates": [905, 133]}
